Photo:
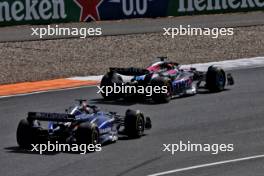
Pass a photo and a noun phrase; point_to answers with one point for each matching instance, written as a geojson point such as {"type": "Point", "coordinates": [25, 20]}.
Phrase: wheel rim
{"type": "Point", "coordinates": [95, 137]}
{"type": "Point", "coordinates": [221, 80]}
{"type": "Point", "coordinates": [140, 126]}
{"type": "Point", "coordinates": [169, 90]}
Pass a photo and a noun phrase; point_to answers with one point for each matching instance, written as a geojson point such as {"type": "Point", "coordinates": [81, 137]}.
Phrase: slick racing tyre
{"type": "Point", "coordinates": [215, 79]}
{"type": "Point", "coordinates": [26, 134]}
{"type": "Point", "coordinates": [87, 134]}
{"type": "Point", "coordinates": [134, 124]}
{"type": "Point", "coordinates": [110, 79]}
{"type": "Point", "coordinates": [162, 97]}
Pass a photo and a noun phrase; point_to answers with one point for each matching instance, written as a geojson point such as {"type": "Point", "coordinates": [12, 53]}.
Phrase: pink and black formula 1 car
{"type": "Point", "coordinates": [178, 81]}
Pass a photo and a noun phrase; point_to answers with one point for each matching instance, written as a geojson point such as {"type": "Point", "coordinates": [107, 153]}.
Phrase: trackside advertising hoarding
{"type": "Point", "coordinates": [191, 7]}
{"type": "Point", "coordinates": [15, 12]}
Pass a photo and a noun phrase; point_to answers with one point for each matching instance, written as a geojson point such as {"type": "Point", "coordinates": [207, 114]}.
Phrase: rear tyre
{"type": "Point", "coordinates": [25, 134]}
{"type": "Point", "coordinates": [87, 134]}
{"type": "Point", "coordinates": [134, 124]}
{"type": "Point", "coordinates": [215, 79]}
{"type": "Point", "coordinates": [162, 97]}
{"type": "Point", "coordinates": [110, 79]}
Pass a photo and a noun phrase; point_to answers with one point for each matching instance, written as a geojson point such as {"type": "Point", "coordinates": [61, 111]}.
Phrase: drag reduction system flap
{"type": "Point", "coordinates": [132, 71]}
{"type": "Point", "coordinates": [57, 117]}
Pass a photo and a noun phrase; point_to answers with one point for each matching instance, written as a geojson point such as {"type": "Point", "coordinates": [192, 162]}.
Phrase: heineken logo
{"type": "Point", "coordinates": [89, 9]}
{"type": "Point", "coordinates": [27, 10]}
{"type": "Point", "coordinates": [210, 5]}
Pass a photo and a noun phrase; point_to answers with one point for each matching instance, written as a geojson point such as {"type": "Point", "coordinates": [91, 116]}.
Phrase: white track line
{"type": "Point", "coordinates": [207, 165]}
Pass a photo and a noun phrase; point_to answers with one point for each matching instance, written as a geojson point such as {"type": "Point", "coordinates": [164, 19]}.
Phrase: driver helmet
{"type": "Point", "coordinates": [85, 107]}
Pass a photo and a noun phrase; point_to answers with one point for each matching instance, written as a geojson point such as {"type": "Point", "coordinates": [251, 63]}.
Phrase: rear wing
{"type": "Point", "coordinates": [56, 117]}
{"type": "Point", "coordinates": [132, 71]}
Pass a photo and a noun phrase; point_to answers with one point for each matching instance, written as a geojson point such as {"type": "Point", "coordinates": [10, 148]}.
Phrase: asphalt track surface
{"type": "Point", "coordinates": [123, 27]}
{"type": "Point", "coordinates": [233, 116]}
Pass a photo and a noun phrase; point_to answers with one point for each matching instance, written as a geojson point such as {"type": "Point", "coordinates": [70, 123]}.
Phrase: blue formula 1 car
{"type": "Point", "coordinates": [81, 124]}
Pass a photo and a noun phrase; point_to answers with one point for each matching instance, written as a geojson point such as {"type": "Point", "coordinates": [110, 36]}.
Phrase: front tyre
{"type": "Point", "coordinates": [162, 97]}
{"type": "Point", "coordinates": [215, 79]}
{"type": "Point", "coordinates": [134, 124]}
{"type": "Point", "coordinates": [87, 134]}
